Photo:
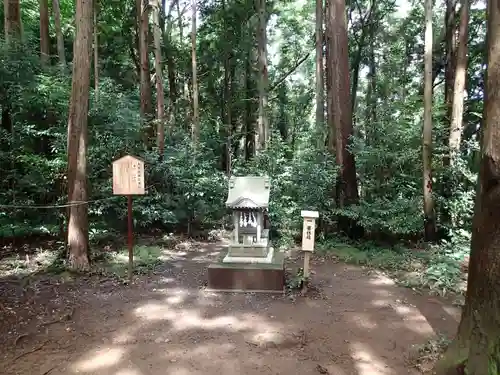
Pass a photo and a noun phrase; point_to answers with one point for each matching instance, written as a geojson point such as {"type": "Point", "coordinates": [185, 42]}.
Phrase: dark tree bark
{"type": "Point", "coordinates": [195, 128]}
{"type": "Point", "coordinates": [44, 32]}
{"type": "Point", "coordinates": [429, 214]}
{"type": "Point", "coordinates": [320, 74]}
{"type": "Point", "coordinates": [340, 115]}
{"type": "Point", "coordinates": [145, 76]}
{"type": "Point", "coordinates": [77, 139]}
{"type": "Point", "coordinates": [476, 348]}
{"type": "Point", "coordinates": [59, 35]}
{"type": "Point", "coordinates": [262, 130]}
{"type": "Point", "coordinates": [12, 19]}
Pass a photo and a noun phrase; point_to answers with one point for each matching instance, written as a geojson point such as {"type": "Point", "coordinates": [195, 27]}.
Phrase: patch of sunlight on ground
{"type": "Point", "coordinates": [17, 265]}
{"type": "Point", "coordinates": [201, 351]}
{"type": "Point", "coordinates": [361, 320]}
{"type": "Point", "coordinates": [382, 303]}
{"type": "Point", "coordinates": [99, 359]}
{"type": "Point", "coordinates": [366, 363]}
{"type": "Point", "coordinates": [414, 320]}
{"type": "Point", "coordinates": [411, 317]}
{"type": "Point", "coordinates": [128, 371]}
{"type": "Point", "coordinates": [126, 335]}
{"type": "Point", "coordinates": [382, 280]}
{"type": "Point", "coordinates": [184, 319]}
{"type": "Point", "coordinates": [382, 293]}
{"type": "Point", "coordinates": [168, 254]}
{"type": "Point", "coordinates": [453, 312]}
{"type": "Point", "coordinates": [206, 257]}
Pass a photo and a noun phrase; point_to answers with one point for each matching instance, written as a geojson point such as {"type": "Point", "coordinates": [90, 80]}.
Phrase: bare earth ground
{"type": "Point", "coordinates": [357, 321]}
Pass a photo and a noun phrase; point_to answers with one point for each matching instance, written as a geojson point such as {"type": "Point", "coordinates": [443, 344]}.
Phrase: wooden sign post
{"type": "Point", "coordinates": [128, 179]}
{"type": "Point", "coordinates": [309, 227]}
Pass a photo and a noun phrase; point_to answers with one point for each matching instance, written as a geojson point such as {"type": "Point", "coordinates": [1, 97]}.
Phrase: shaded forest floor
{"type": "Point", "coordinates": [354, 320]}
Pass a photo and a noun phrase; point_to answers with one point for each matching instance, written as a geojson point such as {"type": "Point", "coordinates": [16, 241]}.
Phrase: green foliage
{"type": "Point", "coordinates": [186, 185]}
{"type": "Point", "coordinates": [301, 183]}
{"type": "Point", "coordinates": [146, 258]}
{"type": "Point", "coordinates": [436, 269]}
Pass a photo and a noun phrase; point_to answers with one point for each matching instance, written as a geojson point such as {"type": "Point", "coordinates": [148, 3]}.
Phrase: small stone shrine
{"type": "Point", "coordinates": [250, 263]}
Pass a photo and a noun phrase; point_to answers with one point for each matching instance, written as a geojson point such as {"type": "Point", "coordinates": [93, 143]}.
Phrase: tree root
{"type": "Point", "coordinates": [31, 351]}
{"type": "Point", "coordinates": [453, 360]}
{"type": "Point", "coordinates": [18, 338]}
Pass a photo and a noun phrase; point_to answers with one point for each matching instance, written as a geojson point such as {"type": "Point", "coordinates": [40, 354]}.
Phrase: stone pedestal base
{"type": "Point", "coordinates": [248, 277]}
{"type": "Point", "coordinates": [249, 259]}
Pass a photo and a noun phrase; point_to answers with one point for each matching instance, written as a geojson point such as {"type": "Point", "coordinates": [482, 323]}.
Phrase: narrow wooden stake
{"type": "Point", "coordinates": [307, 257]}
{"type": "Point", "coordinates": [130, 239]}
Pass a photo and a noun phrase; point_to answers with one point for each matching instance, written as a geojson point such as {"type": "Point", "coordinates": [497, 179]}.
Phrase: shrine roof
{"type": "Point", "coordinates": [248, 192]}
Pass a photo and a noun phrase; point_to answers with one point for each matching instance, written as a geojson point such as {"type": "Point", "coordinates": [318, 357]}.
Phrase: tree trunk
{"type": "Point", "coordinates": [330, 134]}
{"type": "Point", "coordinates": [449, 75]}
{"type": "Point", "coordinates": [145, 78]}
{"type": "Point", "coordinates": [227, 99]}
{"type": "Point", "coordinates": [429, 216]}
{"type": "Point", "coordinates": [249, 124]}
{"type": "Point", "coordinates": [457, 111]}
{"type": "Point", "coordinates": [476, 348]}
{"type": "Point", "coordinates": [450, 50]}
{"type": "Point", "coordinates": [12, 19]}
{"type": "Point", "coordinates": [320, 94]}
{"type": "Point", "coordinates": [77, 139]}
{"type": "Point", "coordinates": [195, 131]}
{"type": "Point", "coordinates": [171, 74]}
{"type": "Point", "coordinates": [160, 98]}
{"type": "Point", "coordinates": [59, 35]}
{"type": "Point", "coordinates": [44, 32]}
{"type": "Point", "coordinates": [96, 54]}
{"type": "Point", "coordinates": [340, 116]}
{"type": "Point", "coordinates": [262, 133]}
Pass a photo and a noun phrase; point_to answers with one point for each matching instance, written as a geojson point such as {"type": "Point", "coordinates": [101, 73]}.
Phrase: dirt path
{"type": "Point", "coordinates": [358, 323]}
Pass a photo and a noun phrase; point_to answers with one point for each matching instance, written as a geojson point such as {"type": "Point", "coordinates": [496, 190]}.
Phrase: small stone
{"type": "Point", "coordinates": [158, 340]}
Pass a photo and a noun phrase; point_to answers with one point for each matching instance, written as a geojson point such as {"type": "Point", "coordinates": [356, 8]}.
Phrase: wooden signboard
{"type": "Point", "coordinates": [309, 227]}
{"type": "Point", "coordinates": [128, 176]}
{"type": "Point", "coordinates": [128, 179]}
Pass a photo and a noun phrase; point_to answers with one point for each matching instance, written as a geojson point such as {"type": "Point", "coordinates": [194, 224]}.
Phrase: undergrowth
{"type": "Point", "coordinates": [424, 356]}
{"type": "Point", "coordinates": [435, 268]}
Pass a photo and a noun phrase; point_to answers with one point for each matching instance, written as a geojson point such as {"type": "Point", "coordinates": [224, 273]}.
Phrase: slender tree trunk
{"type": "Point", "coordinates": [59, 35]}
{"type": "Point", "coordinates": [262, 133]}
{"type": "Point", "coordinates": [195, 131]}
{"type": "Point", "coordinates": [449, 75]}
{"type": "Point", "coordinates": [44, 32]}
{"type": "Point", "coordinates": [330, 135]}
{"type": "Point", "coordinates": [476, 347]}
{"type": "Point", "coordinates": [160, 96]}
{"type": "Point", "coordinates": [171, 74]}
{"type": "Point", "coordinates": [249, 127]}
{"type": "Point", "coordinates": [12, 19]}
{"type": "Point", "coordinates": [456, 123]}
{"type": "Point", "coordinates": [227, 99]}
{"type": "Point", "coordinates": [450, 50]}
{"type": "Point", "coordinates": [77, 138]}
{"type": "Point", "coordinates": [429, 216]}
{"type": "Point", "coordinates": [145, 78]}
{"type": "Point", "coordinates": [320, 85]}
{"type": "Point", "coordinates": [355, 70]}
{"type": "Point", "coordinates": [96, 53]}
{"type": "Point", "coordinates": [183, 81]}
{"type": "Point", "coordinates": [13, 29]}
{"type": "Point", "coordinates": [340, 117]}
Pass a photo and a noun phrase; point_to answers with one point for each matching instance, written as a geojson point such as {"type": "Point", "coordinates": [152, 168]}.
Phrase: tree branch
{"type": "Point", "coordinates": [290, 72]}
